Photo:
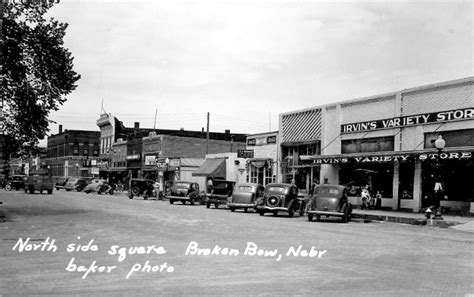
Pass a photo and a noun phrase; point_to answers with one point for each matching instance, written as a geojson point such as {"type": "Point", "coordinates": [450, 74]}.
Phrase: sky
{"type": "Point", "coordinates": [246, 62]}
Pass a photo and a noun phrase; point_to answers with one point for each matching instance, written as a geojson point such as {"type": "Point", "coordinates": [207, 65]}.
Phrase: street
{"type": "Point", "coordinates": [73, 243]}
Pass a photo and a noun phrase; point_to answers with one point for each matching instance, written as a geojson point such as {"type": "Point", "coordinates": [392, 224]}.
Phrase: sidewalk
{"type": "Point", "coordinates": [411, 218]}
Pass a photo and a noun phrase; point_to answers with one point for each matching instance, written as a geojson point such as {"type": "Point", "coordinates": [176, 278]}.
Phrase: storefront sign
{"type": "Point", "coordinates": [261, 140]}
{"type": "Point", "coordinates": [245, 154]}
{"type": "Point", "coordinates": [446, 156]}
{"type": "Point", "coordinates": [271, 139]}
{"type": "Point", "coordinates": [134, 157]}
{"type": "Point", "coordinates": [394, 158]}
{"type": "Point", "coordinates": [150, 160]}
{"type": "Point", "coordinates": [444, 116]}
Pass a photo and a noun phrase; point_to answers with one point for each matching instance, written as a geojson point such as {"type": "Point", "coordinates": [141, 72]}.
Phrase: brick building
{"type": "Point", "coordinates": [387, 142]}
{"type": "Point", "coordinates": [158, 154]}
{"type": "Point", "coordinates": [73, 153]}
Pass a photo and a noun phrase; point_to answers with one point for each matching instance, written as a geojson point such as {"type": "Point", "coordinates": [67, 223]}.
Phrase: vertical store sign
{"type": "Point", "coordinates": [2, 123]}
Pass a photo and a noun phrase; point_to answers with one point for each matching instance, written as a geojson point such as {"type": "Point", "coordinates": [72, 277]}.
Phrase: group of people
{"type": "Point", "coordinates": [368, 201]}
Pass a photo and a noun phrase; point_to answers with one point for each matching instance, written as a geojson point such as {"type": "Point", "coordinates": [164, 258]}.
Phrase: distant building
{"type": "Point", "coordinates": [159, 154]}
{"type": "Point", "coordinates": [73, 153]}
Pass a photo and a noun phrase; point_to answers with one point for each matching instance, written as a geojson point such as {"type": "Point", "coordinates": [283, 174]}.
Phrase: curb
{"type": "Point", "coordinates": [405, 220]}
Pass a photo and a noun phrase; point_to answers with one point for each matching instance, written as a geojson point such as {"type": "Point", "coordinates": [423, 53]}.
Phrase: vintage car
{"type": "Point", "coordinates": [60, 182]}
{"type": "Point", "coordinates": [142, 187]}
{"type": "Point", "coordinates": [329, 200]}
{"type": "Point", "coordinates": [39, 180]}
{"type": "Point", "coordinates": [95, 186]}
{"type": "Point", "coordinates": [73, 183]}
{"type": "Point", "coordinates": [279, 197]}
{"type": "Point", "coordinates": [245, 195]}
{"type": "Point", "coordinates": [220, 193]}
{"type": "Point", "coordinates": [184, 191]}
{"type": "Point", "coordinates": [15, 182]}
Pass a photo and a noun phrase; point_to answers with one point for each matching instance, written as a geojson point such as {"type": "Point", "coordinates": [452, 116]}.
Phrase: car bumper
{"type": "Point", "coordinates": [240, 205]}
{"type": "Point", "coordinates": [265, 208]}
{"type": "Point", "coordinates": [181, 198]}
{"type": "Point", "coordinates": [326, 213]}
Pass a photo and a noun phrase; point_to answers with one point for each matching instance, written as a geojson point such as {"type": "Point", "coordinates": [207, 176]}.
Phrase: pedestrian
{"type": "Point", "coordinates": [377, 200]}
{"type": "Point", "coordinates": [313, 185]}
{"type": "Point", "coordinates": [209, 185]}
{"type": "Point", "coordinates": [365, 197]}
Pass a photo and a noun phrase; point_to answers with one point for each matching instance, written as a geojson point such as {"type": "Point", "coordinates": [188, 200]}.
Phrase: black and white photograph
{"type": "Point", "coordinates": [237, 148]}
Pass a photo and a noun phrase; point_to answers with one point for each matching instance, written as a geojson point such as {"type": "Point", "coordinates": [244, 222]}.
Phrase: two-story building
{"type": "Point", "coordinates": [413, 146]}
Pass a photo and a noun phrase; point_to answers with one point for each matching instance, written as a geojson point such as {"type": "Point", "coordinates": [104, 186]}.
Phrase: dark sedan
{"type": "Point", "coordinates": [330, 200]}
{"type": "Point", "coordinates": [245, 195]}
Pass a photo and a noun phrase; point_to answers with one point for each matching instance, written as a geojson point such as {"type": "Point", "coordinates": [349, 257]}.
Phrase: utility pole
{"type": "Point", "coordinates": [154, 123]}
{"type": "Point", "coordinates": [207, 135]}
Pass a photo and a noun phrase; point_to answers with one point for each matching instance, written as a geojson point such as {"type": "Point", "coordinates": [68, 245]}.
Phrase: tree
{"type": "Point", "coordinates": [37, 73]}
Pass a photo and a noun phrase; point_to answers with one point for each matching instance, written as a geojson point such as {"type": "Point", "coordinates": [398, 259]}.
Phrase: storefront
{"type": "Point", "coordinates": [388, 143]}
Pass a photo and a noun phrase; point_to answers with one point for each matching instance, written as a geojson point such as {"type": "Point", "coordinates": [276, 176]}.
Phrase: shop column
{"type": "Point", "coordinates": [396, 184]}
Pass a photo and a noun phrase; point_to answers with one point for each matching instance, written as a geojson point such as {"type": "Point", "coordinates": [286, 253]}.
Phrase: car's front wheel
{"type": "Point", "coordinates": [208, 205]}
{"type": "Point", "coordinates": [8, 187]}
{"type": "Point", "coordinates": [171, 201]}
{"type": "Point", "coordinates": [232, 209]}
{"type": "Point", "coordinates": [310, 217]}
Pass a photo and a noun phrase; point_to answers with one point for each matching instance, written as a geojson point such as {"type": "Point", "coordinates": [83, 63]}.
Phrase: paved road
{"type": "Point", "coordinates": [148, 248]}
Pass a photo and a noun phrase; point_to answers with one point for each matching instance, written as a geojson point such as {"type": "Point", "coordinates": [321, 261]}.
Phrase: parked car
{"type": "Point", "coordinates": [184, 191]}
{"type": "Point", "coordinates": [143, 187]}
{"type": "Point", "coordinates": [60, 182]}
{"type": "Point", "coordinates": [73, 184]}
{"type": "Point", "coordinates": [95, 185]}
{"type": "Point", "coordinates": [329, 200]}
{"type": "Point", "coordinates": [279, 197]}
{"type": "Point", "coordinates": [245, 195]}
{"type": "Point", "coordinates": [15, 182]}
{"type": "Point", "coordinates": [220, 193]}
{"type": "Point", "coordinates": [39, 180]}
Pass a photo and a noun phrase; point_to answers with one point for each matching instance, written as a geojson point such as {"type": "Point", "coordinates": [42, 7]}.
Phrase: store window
{"type": "Point", "coordinates": [375, 176]}
{"type": "Point", "coordinates": [75, 150]}
{"type": "Point", "coordinates": [377, 144]}
{"type": "Point", "coordinates": [86, 149]}
{"type": "Point", "coordinates": [458, 138]}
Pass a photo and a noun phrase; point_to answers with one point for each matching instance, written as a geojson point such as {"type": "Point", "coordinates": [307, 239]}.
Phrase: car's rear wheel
{"type": "Point", "coordinates": [310, 217]}
{"type": "Point", "coordinates": [171, 201]}
{"type": "Point", "coordinates": [50, 191]}
{"type": "Point", "coordinates": [232, 209]}
{"type": "Point", "coordinates": [8, 187]}
{"type": "Point", "coordinates": [32, 191]}
{"type": "Point", "coordinates": [191, 201]}
{"type": "Point", "coordinates": [183, 201]}
{"type": "Point", "coordinates": [208, 205]}
{"type": "Point", "coordinates": [216, 205]}
{"type": "Point", "coordinates": [261, 213]}
{"type": "Point", "coordinates": [275, 213]}
{"type": "Point", "coordinates": [129, 196]}
{"type": "Point", "coordinates": [246, 209]}
{"type": "Point", "coordinates": [318, 217]}
{"type": "Point", "coordinates": [145, 197]}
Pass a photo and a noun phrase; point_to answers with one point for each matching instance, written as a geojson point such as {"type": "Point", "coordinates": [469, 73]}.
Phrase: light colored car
{"type": "Point", "coordinates": [245, 196]}
{"type": "Point", "coordinates": [329, 200]}
{"type": "Point", "coordinates": [94, 186]}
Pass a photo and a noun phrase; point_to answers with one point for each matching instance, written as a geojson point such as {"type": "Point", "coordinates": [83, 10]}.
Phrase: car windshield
{"type": "Point", "coordinates": [181, 185]}
{"type": "Point", "coordinates": [328, 191]}
{"type": "Point", "coordinates": [220, 185]}
{"type": "Point", "coordinates": [245, 188]}
{"type": "Point", "coordinates": [276, 189]}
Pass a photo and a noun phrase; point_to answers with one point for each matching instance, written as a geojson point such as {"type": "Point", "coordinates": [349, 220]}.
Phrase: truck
{"type": "Point", "coordinates": [39, 180]}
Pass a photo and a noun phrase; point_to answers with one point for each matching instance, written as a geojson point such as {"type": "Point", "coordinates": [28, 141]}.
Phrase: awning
{"type": "Point", "coordinates": [212, 168]}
